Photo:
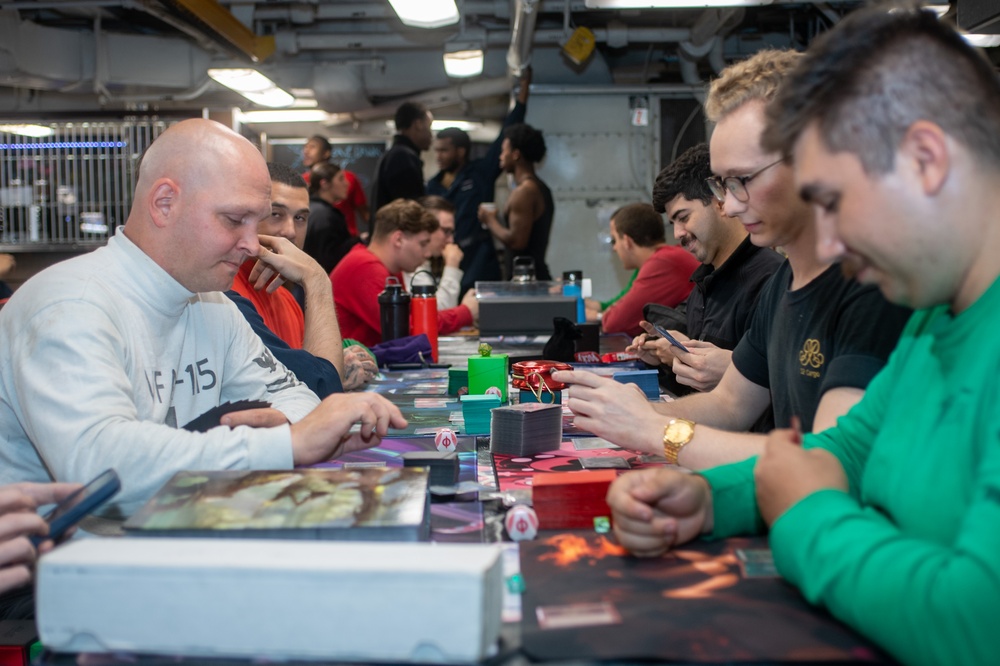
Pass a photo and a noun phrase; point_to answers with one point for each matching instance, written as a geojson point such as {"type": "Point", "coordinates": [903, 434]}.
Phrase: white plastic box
{"type": "Point", "coordinates": [272, 599]}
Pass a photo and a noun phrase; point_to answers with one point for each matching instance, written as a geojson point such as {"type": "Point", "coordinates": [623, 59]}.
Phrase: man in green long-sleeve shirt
{"type": "Point", "coordinates": [891, 519]}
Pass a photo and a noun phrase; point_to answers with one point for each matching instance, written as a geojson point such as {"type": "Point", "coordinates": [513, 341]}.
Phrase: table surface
{"type": "Point", "coordinates": [567, 569]}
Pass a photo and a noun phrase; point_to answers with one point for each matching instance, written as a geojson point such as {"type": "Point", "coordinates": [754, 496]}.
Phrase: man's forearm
{"type": "Point", "coordinates": [704, 408]}
{"type": "Point", "coordinates": [322, 332]}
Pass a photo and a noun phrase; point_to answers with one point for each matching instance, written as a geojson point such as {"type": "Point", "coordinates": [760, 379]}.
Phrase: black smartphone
{"type": "Point", "coordinates": [671, 339]}
{"type": "Point", "coordinates": [84, 501]}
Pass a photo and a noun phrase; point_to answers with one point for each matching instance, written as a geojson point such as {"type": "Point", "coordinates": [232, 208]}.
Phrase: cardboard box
{"type": "Point", "coordinates": [272, 599]}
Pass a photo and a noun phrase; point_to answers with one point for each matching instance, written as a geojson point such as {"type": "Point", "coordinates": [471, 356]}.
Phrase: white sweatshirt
{"type": "Point", "coordinates": [108, 356]}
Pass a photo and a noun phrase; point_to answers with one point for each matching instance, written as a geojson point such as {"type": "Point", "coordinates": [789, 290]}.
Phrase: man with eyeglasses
{"type": "Point", "coordinates": [446, 256]}
{"type": "Point", "coordinates": [817, 337]}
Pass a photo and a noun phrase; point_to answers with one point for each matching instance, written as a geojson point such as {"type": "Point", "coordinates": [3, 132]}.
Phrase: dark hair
{"type": "Point", "coordinates": [684, 177]}
{"type": "Point", "coordinates": [284, 174]}
{"type": "Point", "coordinates": [459, 138]}
{"type": "Point", "coordinates": [433, 202]}
{"type": "Point", "coordinates": [320, 172]}
{"type": "Point", "coordinates": [528, 140]}
{"type": "Point", "coordinates": [641, 223]}
{"type": "Point", "coordinates": [322, 141]}
{"type": "Point", "coordinates": [404, 215]}
{"type": "Point", "coordinates": [868, 80]}
{"type": "Point", "coordinates": [408, 113]}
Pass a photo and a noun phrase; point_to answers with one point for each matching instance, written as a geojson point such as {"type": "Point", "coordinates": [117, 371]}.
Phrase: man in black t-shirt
{"type": "Point", "coordinates": [816, 338]}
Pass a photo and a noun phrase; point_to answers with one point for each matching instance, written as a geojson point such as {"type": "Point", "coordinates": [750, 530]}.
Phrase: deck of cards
{"type": "Point", "coordinates": [526, 429]}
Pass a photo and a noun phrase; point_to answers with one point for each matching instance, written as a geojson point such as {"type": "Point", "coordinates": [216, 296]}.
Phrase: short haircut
{"type": "Point", "coordinates": [459, 138]}
{"type": "Point", "coordinates": [684, 177]}
{"type": "Point", "coordinates": [641, 223]}
{"type": "Point", "coordinates": [320, 172]}
{"type": "Point", "coordinates": [755, 78]}
{"type": "Point", "coordinates": [284, 174]}
{"type": "Point", "coordinates": [864, 98]}
{"type": "Point", "coordinates": [528, 140]}
{"type": "Point", "coordinates": [323, 142]}
{"type": "Point", "coordinates": [434, 203]}
{"type": "Point", "coordinates": [408, 113]}
{"type": "Point", "coordinates": [403, 215]}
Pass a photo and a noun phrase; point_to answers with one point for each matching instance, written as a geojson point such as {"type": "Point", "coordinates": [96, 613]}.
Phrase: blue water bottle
{"type": "Point", "coordinates": [573, 286]}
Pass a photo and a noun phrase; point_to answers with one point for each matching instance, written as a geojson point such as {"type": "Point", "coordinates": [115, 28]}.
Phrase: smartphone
{"type": "Point", "coordinates": [669, 338]}
{"type": "Point", "coordinates": [74, 508]}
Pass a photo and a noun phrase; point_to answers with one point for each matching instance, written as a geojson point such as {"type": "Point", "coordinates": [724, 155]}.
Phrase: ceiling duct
{"type": "Point", "coordinates": [522, 36]}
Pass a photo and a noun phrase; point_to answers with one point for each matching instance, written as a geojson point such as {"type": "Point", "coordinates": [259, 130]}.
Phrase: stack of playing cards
{"type": "Point", "coordinates": [644, 379]}
{"type": "Point", "coordinates": [476, 412]}
{"type": "Point", "coordinates": [571, 500]}
{"type": "Point", "coordinates": [526, 429]}
{"type": "Point", "coordinates": [443, 465]}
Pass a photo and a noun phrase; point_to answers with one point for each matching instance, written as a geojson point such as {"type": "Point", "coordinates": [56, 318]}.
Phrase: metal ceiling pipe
{"type": "Point", "coordinates": [393, 41]}
{"type": "Point", "coordinates": [438, 98]}
{"type": "Point", "coordinates": [522, 36]}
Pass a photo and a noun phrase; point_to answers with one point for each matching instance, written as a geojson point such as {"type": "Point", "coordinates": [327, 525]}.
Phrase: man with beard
{"type": "Point", "coordinates": [726, 285]}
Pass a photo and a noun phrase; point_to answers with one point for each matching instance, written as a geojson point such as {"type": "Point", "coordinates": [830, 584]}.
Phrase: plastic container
{"type": "Point", "coordinates": [425, 315]}
{"type": "Point", "coordinates": [394, 310]}
{"type": "Point", "coordinates": [573, 286]}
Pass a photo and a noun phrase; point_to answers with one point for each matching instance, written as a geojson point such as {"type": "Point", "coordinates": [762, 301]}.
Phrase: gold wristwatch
{"type": "Point", "coordinates": [676, 434]}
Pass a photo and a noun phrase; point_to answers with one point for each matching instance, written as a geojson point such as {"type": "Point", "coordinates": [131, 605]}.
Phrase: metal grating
{"type": "Point", "coordinates": [71, 188]}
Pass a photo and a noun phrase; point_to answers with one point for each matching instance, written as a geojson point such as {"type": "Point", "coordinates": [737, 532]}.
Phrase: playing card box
{"type": "Point", "coordinates": [571, 500]}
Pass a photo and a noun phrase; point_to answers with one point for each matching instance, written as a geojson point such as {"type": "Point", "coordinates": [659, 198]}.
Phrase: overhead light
{"type": "Point", "coordinates": [286, 116]}
{"type": "Point", "coordinates": [466, 125]}
{"type": "Point", "coordinates": [253, 85]}
{"type": "Point", "coordinates": [28, 130]}
{"type": "Point", "coordinates": [670, 4]}
{"type": "Point", "coordinates": [982, 41]}
{"type": "Point", "coordinates": [426, 13]}
{"type": "Point", "coordinates": [463, 64]}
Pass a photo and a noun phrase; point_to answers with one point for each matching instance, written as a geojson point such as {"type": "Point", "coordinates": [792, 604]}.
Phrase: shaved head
{"type": "Point", "coordinates": [201, 191]}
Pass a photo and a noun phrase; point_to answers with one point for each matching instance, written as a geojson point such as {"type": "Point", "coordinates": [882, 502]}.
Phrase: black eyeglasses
{"type": "Point", "coordinates": [736, 185]}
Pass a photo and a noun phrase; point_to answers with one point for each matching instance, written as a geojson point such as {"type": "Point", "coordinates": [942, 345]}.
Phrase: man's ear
{"type": "Point", "coordinates": [396, 237]}
{"type": "Point", "coordinates": [925, 149]}
{"type": "Point", "coordinates": [164, 197]}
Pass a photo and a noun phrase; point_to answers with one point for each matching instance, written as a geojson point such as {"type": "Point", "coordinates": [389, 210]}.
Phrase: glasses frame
{"type": "Point", "coordinates": [736, 185]}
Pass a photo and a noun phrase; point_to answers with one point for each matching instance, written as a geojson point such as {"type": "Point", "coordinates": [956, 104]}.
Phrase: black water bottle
{"type": "Point", "coordinates": [394, 310]}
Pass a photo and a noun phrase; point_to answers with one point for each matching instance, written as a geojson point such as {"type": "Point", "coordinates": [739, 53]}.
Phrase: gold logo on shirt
{"type": "Point", "coordinates": [811, 358]}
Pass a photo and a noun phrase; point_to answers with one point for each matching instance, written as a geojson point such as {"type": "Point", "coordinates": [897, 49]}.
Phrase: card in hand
{"type": "Point", "coordinates": [212, 417]}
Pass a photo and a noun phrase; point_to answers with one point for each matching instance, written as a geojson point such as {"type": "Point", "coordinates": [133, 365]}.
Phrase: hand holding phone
{"type": "Point", "coordinates": [669, 338]}
{"type": "Point", "coordinates": [74, 508]}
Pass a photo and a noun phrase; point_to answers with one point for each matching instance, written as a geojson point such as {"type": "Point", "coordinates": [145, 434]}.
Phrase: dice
{"type": "Point", "coordinates": [521, 523]}
{"type": "Point", "coordinates": [445, 440]}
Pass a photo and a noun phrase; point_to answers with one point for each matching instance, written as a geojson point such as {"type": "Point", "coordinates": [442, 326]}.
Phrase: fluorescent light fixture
{"type": "Point", "coordinates": [982, 41]}
{"type": "Point", "coordinates": [426, 13]}
{"type": "Point", "coordinates": [463, 64]}
{"type": "Point", "coordinates": [28, 130]}
{"type": "Point", "coordinates": [669, 4]}
{"type": "Point", "coordinates": [286, 116]}
{"type": "Point", "coordinates": [466, 125]}
{"type": "Point", "coordinates": [253, 85]}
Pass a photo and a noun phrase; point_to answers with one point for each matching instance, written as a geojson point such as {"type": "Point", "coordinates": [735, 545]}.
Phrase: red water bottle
{"type": "Point", "coordinates": [425, 314]}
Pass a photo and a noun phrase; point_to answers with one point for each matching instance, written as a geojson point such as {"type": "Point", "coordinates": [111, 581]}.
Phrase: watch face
{"type": "Point", "coordinates": [678, 431]}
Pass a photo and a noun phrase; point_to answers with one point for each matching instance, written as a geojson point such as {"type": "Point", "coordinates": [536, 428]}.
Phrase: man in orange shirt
{"type": "Point", "coordinates": [313, 334]}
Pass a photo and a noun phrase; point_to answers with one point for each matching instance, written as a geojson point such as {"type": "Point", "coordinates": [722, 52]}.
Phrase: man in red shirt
{"type": "Point", "coordinates": [399, 243]}
{"type": "Point", "coordinates": [639, 239]}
